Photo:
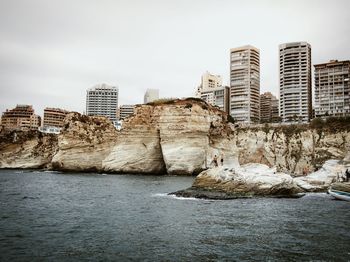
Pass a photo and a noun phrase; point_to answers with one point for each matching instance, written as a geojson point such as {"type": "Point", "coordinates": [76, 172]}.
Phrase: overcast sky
{"type": "Point", "coordinates": [52, 51]}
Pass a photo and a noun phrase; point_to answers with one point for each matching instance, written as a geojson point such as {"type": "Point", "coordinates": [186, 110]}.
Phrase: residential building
{"type": "Point", "coordinates": [295, 82]}
{"type": "Point", "coordinates": [268, 108]}
{"type": "Point", "coordinates": [209, 81]}
{"type": "Point", "coordinates": [332, 88]}
{"type": "Point", "coordinates": [245, 84]}
{"type": "Point", "coordinates": [125, 111]}
{"type": "Point", "coordinates": [217, 96]}
{"type": "Point", "coordinates": [151, 95]}
{"type": "Point", "coordinates": [102, 100]}
{"type": "Point", "coordinates": [53, 117]}
{"type": "Point", "coordinates": [22, 117]}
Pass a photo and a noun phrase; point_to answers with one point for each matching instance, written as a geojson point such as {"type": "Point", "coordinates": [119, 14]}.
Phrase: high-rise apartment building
{"type": "Point", "coordinates": [217, 96]}
{"type": "Point", "coordinates": [245, 84]}
{"type": "Point", "coordinates": [209, 81]}
{"type": "Point", "coordinates": [295, 82]}
{"type": "Point", "coordinates": [102, 100]}
{"type": "Point", "coordinates": [268, 108]}
{"type": "Point", "coordinates": [332, 88]}
{"type": "Point", "coordinates": [53, 117]}
{"type": "Point", "coordinates": [22, 117]}
{"type": "Point", "coordinates": [151, 95]}
{"type": "Point", "coordinates": [125, 111]}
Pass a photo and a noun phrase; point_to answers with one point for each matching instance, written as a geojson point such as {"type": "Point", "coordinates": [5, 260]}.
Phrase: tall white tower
{"type": "Point", "coordinates": [295, 82]}
{"type": "Point", "coordinates": [245, 84]}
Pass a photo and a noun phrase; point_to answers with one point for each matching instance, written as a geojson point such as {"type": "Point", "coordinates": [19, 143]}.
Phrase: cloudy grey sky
{"type": "Point", "coordinates": [51, 51]}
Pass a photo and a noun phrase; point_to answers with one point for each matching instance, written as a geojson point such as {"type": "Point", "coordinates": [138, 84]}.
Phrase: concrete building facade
{"type": "Point", "coordinates": [102, 100]}
{"type": "Point", "coordinates": [53, 117]}
{"type": "Point", "coordinates": [245, 84]}
{"type": "Point", "coordinates": [218, 96]}
{"type": "Point", "coordinates": [332, 88]}
{"type": "Point", "coordinates": [22, 117]}
{"type": "Point", "coordinates": [208, 81]}
{"type": "Point", "coordinates": [151, 95]}
{"type": "Point", "coordinates": [268, 108]}
{"type": "Point", "coordinates": [125, 111]}
{"type": "Point", "coordinates": [295, 82]}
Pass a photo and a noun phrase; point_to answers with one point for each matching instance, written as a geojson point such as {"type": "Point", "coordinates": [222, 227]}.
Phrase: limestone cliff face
{"type": "Point", "coordinates": [178, 137]}
{"type": "Point", "coordinates": [289, 149]}
{"type": "Point", "coordinates": [83, 143]}
{"type": "Point", "coordinates": [30, 149]}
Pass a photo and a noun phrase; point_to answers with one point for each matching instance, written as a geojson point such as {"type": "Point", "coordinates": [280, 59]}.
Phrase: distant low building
{"type": "Point", "coordinates": [53, 117]}
{"type": "Point", "coordinates": [151, 95]}
{"type": "Point", "coordinates": [22, 117]}
{"type": "Point", "coordinates": [268, 108]}
{"type": "Point", "coordinates": [50, 129]}
{"type": "Point", "coordinates": [125, 111]}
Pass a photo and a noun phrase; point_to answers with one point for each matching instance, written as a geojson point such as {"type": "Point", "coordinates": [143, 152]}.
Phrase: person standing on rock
{"type": "Point", "coordinates": [347, 175]}
{"type": "Point", "coordinates": [215, 160]}
{"type": "Point", "coordinates": [222, 159]}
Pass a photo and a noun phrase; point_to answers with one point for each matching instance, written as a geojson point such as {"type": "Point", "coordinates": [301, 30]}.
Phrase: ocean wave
{"type": "Point", "coordinates": [178, 198]}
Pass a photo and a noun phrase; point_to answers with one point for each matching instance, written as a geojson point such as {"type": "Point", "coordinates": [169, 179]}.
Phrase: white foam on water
{"type": "Point", "coordinates": [323, 195]}
{"type": "Point", "coordinates": [178, 198]}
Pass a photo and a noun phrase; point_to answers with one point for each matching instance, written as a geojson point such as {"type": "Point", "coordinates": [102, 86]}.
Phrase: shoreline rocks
{"type": "Point", "coordinates": [258, 180]}
{"type": "Point", "coordinates": [241, 182]}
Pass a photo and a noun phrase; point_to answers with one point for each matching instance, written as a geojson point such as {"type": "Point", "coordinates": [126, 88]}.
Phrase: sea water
{"type": "Point", "coordinates": [52, 216]}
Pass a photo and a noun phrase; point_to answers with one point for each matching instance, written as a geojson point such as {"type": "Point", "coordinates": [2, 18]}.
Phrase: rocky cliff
{"type": "Point", "coordinates": [177, 137]}
{"type": "Point", "coordinates": [292, 149]}
{"type": "Point", "coordinates": [30, 149]}
{"type": "Point", "coordinates": [84, 143]}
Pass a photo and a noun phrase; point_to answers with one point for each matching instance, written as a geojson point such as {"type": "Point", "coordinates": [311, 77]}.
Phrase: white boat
{"type": "Point", "coordinates": [342, 195]}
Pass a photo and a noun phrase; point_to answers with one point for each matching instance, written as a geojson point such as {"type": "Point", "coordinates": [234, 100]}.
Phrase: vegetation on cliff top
{"type": "Point", "coordinates": [330, 124]}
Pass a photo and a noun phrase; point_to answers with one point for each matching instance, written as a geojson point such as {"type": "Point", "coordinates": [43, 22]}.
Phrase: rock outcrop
{"type": "Point", "coordinates": [292, 149]}
{"type": "Point", "coordinates": [331, 172]}
{"type": "Point", "coordinates": [240, 182]}
{"type": "Point", "coordinates": [31, 149]}
{"type": "Point", "coordinates": [84, 143]}
{"type": "Point", "coordinates": [175, 137]}
{"type": "Point", "coordinates": [259, 180]}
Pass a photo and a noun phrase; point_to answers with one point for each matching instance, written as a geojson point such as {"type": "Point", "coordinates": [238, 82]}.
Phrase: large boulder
{"type": "Point", "coordinates": [331, 172]}
{"type": "Point", "coordinates": [241, 181]}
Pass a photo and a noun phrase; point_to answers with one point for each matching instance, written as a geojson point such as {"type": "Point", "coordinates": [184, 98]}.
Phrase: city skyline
{"type": "Point", "coordinates": [50, 54]}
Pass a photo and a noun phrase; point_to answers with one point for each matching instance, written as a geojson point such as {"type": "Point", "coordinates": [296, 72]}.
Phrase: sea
{"type": "Point", "coordinates": [53, 216]}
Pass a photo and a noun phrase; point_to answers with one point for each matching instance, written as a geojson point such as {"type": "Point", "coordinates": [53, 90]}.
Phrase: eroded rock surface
{"type": "Point", "coordinates": [84, 143]}
{"type": "Point", "coordinates": [31, 149]}
{"type": "Point", "coordinates": [242, 181]}
{"type": "Point", "coordinates": [176, 137]}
